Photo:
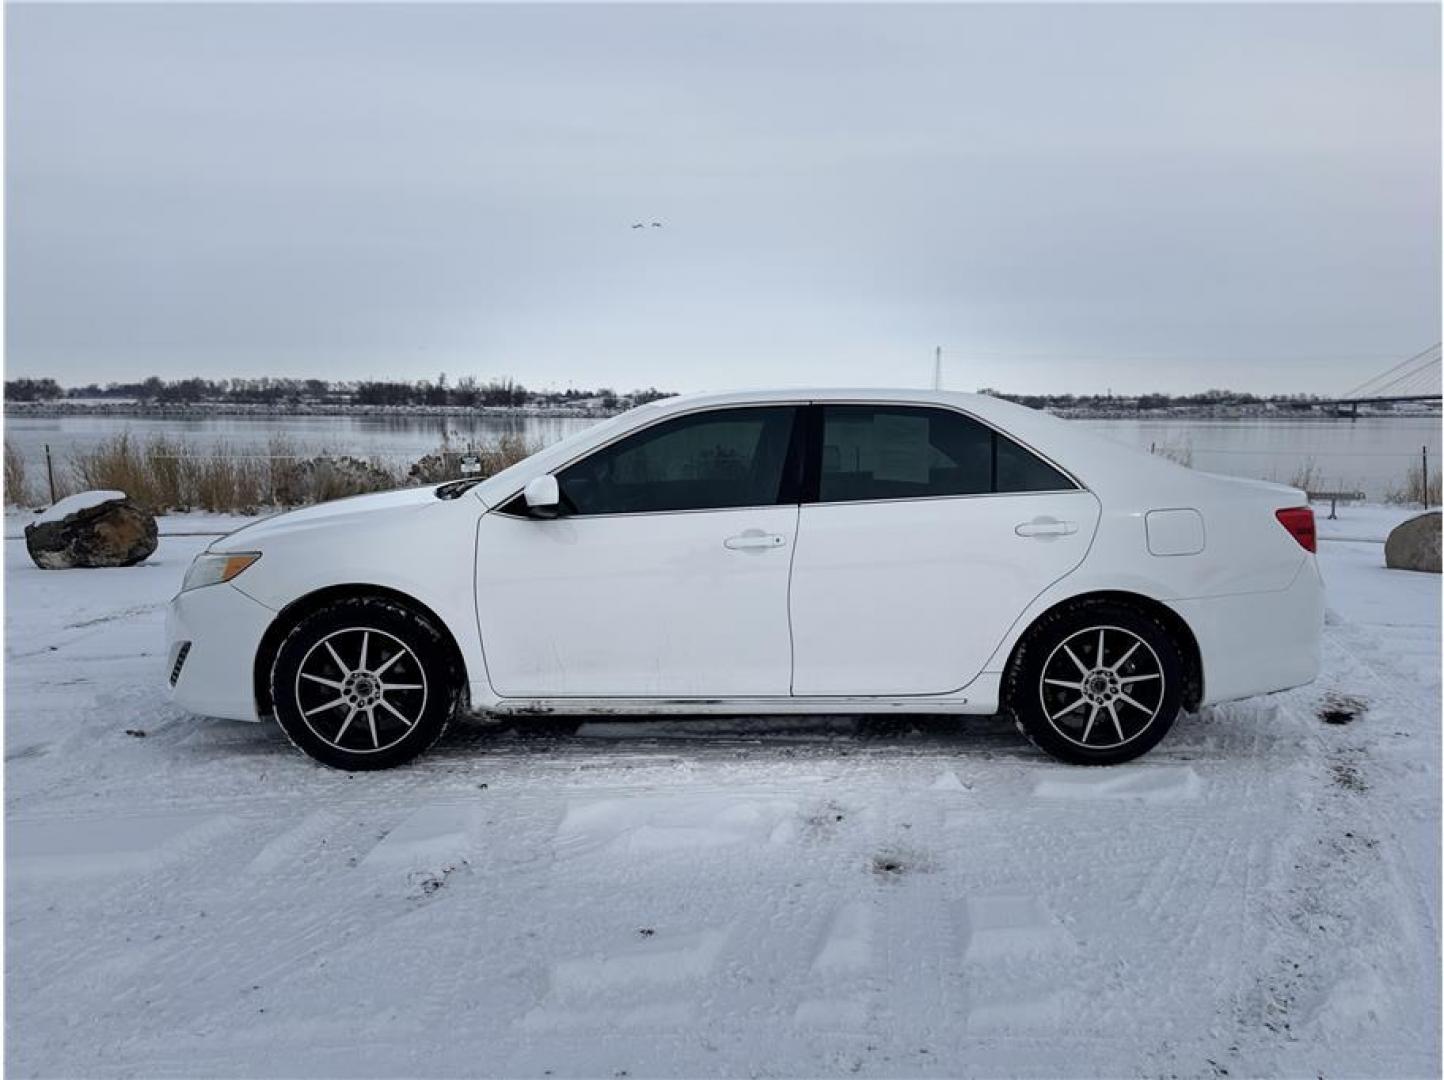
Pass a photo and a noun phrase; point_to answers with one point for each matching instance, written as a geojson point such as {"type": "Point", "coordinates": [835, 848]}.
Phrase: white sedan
{"type": "Point", "coordinates": [784, 552]}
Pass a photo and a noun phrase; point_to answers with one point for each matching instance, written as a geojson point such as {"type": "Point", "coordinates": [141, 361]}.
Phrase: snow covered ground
{"type": "Point", "coordinates": [189, 897]}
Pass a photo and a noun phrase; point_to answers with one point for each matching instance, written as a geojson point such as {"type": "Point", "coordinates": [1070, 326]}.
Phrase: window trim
{"type": "Point", "coordinates": [813, 486]}
{"type": "Point", "coordinates": [808, 421]}
{"type": "Point", "coordinates": [799, 409]}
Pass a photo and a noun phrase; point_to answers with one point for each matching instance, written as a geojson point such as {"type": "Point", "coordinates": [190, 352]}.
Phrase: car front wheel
{"type": "Point", "coordinates": [1097, 684]}
{"type": "Point", "coordinates": [363, 683]}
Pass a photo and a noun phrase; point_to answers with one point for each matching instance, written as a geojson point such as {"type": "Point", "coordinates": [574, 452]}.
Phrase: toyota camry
{"type": "Point", "coordinates": [766, 552]}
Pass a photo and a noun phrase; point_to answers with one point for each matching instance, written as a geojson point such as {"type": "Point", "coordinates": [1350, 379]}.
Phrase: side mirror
{"type": "Point", "coordinates": [543, 496]}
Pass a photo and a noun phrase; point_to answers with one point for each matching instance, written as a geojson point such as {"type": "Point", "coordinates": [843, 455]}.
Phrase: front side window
{"type": "Point", "coordinates": [900, 452]}
{"type": "Point", "coordinates": [707, 461]}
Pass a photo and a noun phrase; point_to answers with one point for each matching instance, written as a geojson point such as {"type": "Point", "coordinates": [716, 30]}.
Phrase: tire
{"type": "Point", "coordinates": [364, 683]}
{"type": "Point", "coordinates": [1089, 713]}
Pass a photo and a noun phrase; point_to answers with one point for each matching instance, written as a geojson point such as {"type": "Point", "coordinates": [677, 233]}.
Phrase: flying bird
{"type": "Point", "coordinates": [640, 225]}
{"type": "Point", "coordinates": [656, 224]}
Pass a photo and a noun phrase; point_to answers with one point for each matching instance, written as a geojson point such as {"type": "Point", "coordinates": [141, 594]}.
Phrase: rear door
{"type": "Point", "coordinates": [927, 536]}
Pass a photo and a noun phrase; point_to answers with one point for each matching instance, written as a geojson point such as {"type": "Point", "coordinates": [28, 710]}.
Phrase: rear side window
{"type": "Point", "coordinates": [708, 461]}
{"type": "Point", "coordinates": [1023, 470]}
{"type": "Point", "coordinates": [899, 452]}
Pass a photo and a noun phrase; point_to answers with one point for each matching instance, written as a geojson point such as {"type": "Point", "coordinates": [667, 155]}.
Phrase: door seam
{"type": "Point", "coordinates": [791, 643]}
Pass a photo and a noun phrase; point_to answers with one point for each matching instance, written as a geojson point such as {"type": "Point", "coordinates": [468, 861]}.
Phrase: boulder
{"type": "Point", "coordinates": [93, 528]}
{"type": "Point", "coordinates": [1414, 545]}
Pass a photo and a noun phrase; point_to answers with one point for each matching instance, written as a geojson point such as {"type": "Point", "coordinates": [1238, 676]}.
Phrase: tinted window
{"type": "Point", "coordinates": [1021, 470]}
{"type": "Point", "coordinates": [897, 452]}
{"type": "Point", "coordinates": [730, 457]}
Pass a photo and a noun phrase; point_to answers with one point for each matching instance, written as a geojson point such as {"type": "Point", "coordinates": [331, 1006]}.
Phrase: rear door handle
{"type": "Point", "coordinates": [754, 540]}
{"type": "Point", "coordinates": [1046, 527]}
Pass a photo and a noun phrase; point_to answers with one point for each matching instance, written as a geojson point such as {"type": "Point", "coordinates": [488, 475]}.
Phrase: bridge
{"type": "Point", "coordinates": [1416, 378]}
{"type": "Point", "coordinates": [1413, 380]}
{"type": "Point", "coordinates": [1350, 406]}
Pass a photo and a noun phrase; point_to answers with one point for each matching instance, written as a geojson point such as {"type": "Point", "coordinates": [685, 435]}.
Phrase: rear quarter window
{"type": "Point", "coordinates": [1023, 470]}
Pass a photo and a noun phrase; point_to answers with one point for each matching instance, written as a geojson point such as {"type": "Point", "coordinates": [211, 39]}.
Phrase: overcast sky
{"type": "Point", "coordinates": [1064, 198]}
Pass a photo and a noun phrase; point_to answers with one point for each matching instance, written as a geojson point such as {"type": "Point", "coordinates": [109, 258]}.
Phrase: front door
{"type": "Point", "coordinates": [929, 535]}
{"type": "Point", "coordinates": [665, 576]}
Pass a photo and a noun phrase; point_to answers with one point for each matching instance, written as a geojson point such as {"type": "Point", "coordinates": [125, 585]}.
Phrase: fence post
{"type": "Point", "coordinates": [1424, 476]}
{"type": "Point", "coordinates": [50, 473]}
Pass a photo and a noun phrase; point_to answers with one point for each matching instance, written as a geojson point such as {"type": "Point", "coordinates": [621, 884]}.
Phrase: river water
{"type": "Point", "coordinates": [1371, 455]}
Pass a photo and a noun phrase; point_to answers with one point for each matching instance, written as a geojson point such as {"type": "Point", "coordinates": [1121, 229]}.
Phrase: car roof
{"type": "Point", "coordinates": [1033, 426]}
{"type": "Point", "coordinates": [984, 406]}
{"type": "Point", "coordinates": [818, 393]}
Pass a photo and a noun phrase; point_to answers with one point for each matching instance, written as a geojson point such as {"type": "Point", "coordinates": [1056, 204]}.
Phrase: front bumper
{"type": "Point", "coordinates": [222, 628]}
{"type": "Point", "coordinates": [1259, 643]}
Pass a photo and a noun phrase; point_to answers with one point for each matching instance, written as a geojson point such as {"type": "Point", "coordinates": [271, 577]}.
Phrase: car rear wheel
{"type": "Point", "coordinates": [363, 683]}
{"type": "Point", "coordinates": [1097, 684]}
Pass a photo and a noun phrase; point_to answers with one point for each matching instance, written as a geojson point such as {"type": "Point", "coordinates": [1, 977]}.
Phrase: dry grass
{"type": "Point", "coordinates": [1415, 489]}
{"type": "Point", "coordinates": [164, 473]}
{"type": "Point", "coordinates": [1308, 477]}
{"type": "Point", "coordinates": [17, 484]}
{"type": "Point", "coordinates": [29, 487]}
{"type": "Point", "coordinates": [160, 473]}
{"type": "Point", "coordinates": [445, 463]}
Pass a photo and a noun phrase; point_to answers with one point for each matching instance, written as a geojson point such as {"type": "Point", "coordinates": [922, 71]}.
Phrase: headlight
{"type": "Point", "coordinates": [209, 569]}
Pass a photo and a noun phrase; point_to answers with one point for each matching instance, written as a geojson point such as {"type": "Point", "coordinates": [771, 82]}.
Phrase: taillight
{"type": "Point", "coordinates": [1299, 521]}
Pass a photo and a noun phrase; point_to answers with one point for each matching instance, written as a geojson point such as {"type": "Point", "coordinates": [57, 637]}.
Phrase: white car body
{"type": "Point", "coordinates": [889, 605]}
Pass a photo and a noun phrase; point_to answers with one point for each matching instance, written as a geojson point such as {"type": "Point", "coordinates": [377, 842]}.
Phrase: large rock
{"type": "Point", "coordinates": [1414, 545]}
{"type": "Point", "coordinates": [94, 528]}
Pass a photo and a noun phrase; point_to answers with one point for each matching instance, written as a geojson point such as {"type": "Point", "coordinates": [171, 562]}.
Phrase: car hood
{"type": "Point", "coordinates": [359, 510]}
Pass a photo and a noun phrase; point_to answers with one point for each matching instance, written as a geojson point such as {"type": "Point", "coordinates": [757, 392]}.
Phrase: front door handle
{"type": "Point", "coordinates": [754, 540]}
{"type": "Point", "coordinates": [1046, 527]}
